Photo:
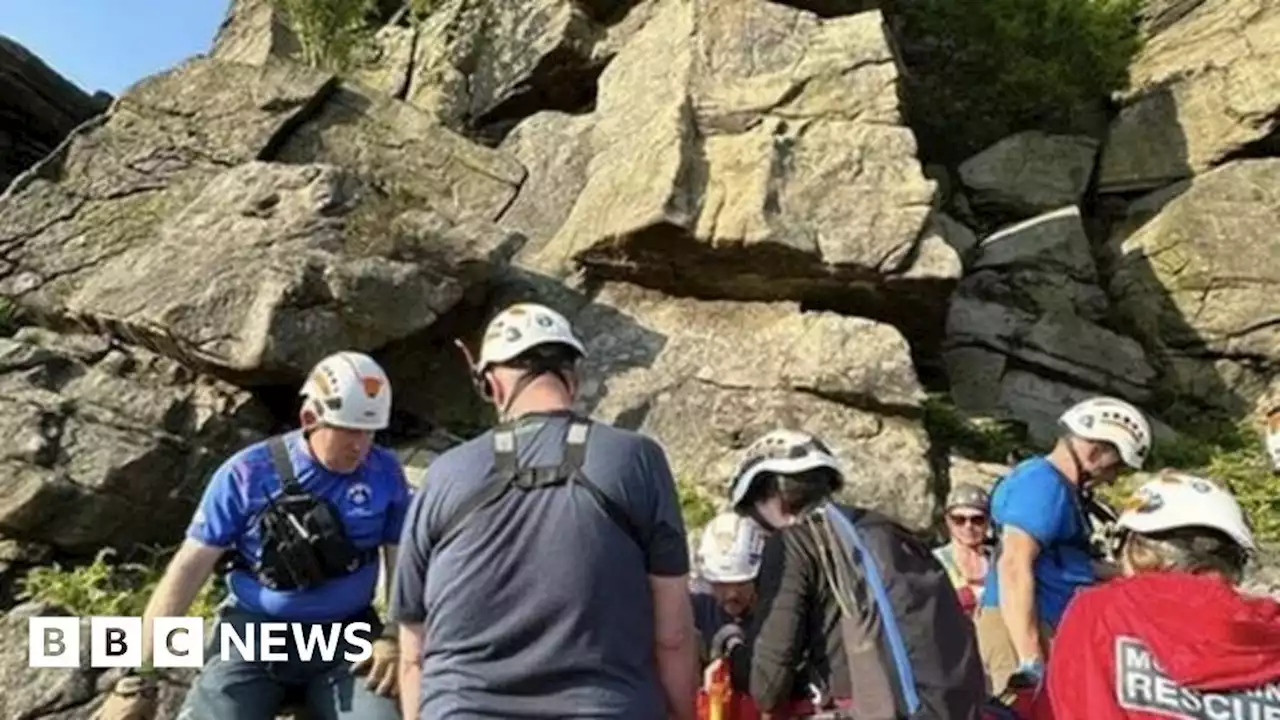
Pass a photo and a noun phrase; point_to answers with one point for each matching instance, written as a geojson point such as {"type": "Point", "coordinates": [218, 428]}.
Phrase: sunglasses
{"type": "Point", "coordinates": [962, 520]}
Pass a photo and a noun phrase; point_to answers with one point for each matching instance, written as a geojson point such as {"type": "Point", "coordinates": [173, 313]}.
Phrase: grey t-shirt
{"type": "Point", "coordinates": [539, 606]}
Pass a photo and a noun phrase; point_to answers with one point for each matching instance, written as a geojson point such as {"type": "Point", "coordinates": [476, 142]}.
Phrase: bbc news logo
{"type": "Point", "coordinates": [178, 642]}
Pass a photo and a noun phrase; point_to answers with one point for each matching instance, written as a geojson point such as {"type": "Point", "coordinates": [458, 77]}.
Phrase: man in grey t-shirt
{"type": "Point", "coordinates": [544, 565]}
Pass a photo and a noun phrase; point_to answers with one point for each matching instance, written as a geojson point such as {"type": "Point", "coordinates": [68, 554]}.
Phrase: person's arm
{"type": "Point", "coordinates": [774, 638]}
{"type": "Point", "coordinates": [667, 559]}
{"type": "Point", "coordinates": [218, 523]}
{"type": "Point", "coordinates": [1018, 552]}
{"type": "Point", "coordinates": [410, 669]}
{"type": "Point", "coordinates": [1079, 681]}
{"type": "Point", "coordinates": [187, 572]}
{"type": "Point", "coordinates": [1030, 508]}
{"type": "Point", "coordinates": [393, 531]}
{"type": "Point", "coordinates": [675, 644]}
{"type": "Point", "coordinates": [406, 606]}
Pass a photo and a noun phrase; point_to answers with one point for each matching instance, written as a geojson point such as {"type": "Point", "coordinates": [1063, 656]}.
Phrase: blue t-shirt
{"type": "Point", "coordinates": [1038, 500]}
{"type": "Point", "coordinates": [371, 502]}
{"type": "Point", "coordinates": [539, 606]}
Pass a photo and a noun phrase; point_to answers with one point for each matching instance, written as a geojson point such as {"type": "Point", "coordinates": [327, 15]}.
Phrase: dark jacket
{"type": "Point", "coordinates": [799, 626]}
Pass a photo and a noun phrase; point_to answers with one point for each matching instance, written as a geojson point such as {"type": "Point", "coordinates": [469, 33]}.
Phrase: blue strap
{"type": "Point", "coordinates": [898, 648]}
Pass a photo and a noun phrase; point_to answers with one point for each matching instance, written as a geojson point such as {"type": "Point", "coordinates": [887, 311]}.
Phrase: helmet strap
{"type": "Point", "coordinates": [1082, 476]}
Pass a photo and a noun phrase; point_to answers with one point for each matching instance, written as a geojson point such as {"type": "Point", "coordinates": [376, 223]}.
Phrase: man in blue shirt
{"type": "Point", "coordinates": [543, 571]}
{"type": "Point", "coordinates": [1044, 550]}
{"type": "Point", "coordinates": [329, 468]}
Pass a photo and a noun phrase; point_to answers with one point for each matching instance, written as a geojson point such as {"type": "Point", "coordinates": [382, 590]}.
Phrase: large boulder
{"type": "Point", "coordinates": [99, 435]}
{"type": "Point", "coordinates": [413, 160]}
{"type": "Point", "coordinates": [1025, 337]}
{"type": "Point", "coordinates": [485, 66]}
{"type": "Point", "coordinates": [160, 225]}
{"type": "Point", "coordinates": [1198, 284]}
{"type": "Point", "coordinates": [555, 149]}
{"type": "Point", "coordinates": [731, 158]}
{"type": "Point", "coordinates": [32, 692]}
{"type": "Point", "coordinates": [67, 693]}
{"type": "Point", "coordinates": [38, 108]}
{"type": "Point", "coordinates": [1030, 173]}
{"type": "Point", "coordinates": [1204, 88]}
{"type": "Point", "coordinates": [254, 32]}
{"type": "Point", "coordinates": [708, 378]}
{"type": "Point", "coordinates": [286, 282]}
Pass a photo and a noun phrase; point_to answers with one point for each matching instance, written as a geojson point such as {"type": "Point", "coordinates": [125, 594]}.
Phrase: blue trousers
{"type": "Point", "coordinates": [235, 689]}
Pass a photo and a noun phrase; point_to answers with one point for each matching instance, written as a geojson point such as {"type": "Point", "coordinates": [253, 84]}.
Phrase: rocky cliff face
{"type": "Point", "coordinates": [724, 197]}
{"type": "Point", "coordinates": [38, 108]}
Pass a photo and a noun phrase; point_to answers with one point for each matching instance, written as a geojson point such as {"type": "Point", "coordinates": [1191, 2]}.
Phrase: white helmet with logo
{"type": "Point", "coordinates": [1105, 419]}
{"type": "Point", "coordinates": [730, 549]}
{"type": "Point", "coordinates": [784, 452]}
{"type": "Point", "coordinates": [1177, 500]}
{"type": "Point", "coordinates": [521, 327]}
{"type": "Point", "coordinates": [349, 390]}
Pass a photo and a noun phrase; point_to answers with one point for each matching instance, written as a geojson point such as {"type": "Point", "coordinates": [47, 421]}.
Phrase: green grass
{"type": "Point", "coordinates": [104, 587]}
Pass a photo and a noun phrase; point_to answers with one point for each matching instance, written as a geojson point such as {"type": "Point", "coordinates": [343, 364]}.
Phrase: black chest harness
{"type": "Point", "coordinates": [507, 474]}
{"type": "Point", "coordinates": [304, 542]}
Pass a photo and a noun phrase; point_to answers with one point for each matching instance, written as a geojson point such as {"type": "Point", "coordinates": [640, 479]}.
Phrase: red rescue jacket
{"type": "Point", "coordinates": [1164, 645]}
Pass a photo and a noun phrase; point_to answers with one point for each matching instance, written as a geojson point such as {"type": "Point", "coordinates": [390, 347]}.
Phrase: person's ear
{"type": "Point", "coordinates": [307, 418]}
{"type": "Point", "coordinates": [493, 389]}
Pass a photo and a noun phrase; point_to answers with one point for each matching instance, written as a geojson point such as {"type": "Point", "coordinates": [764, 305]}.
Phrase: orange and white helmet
{"type": "Point", "coordinates": [730, 549]}
{"type": "Point", "coordinates": [1105, 419]}
{"type": "Point", "coordinates": [522, 327]}
{"type": "Point", "coordinates": [1177, 500]}
{"type": "Point", "coordinates": [349, 390]}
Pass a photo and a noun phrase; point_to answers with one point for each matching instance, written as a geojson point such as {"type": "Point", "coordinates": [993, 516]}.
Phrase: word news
{"type": "Point", "coordinates": [179, 642]}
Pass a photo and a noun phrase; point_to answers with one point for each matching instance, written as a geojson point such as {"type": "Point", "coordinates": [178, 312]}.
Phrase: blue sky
{"type": "Point", "coordinates": [111, 44]}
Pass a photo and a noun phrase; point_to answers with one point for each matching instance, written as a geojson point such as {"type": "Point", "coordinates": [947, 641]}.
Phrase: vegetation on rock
{"type": "Point", "coordinates": [104, 587]}
{"type": "Point", "coordinates": [695, 505]}
{"type": "Point", "coordinates": [983, 70]}
{"type": "Point", "coordinates": [331, 33]}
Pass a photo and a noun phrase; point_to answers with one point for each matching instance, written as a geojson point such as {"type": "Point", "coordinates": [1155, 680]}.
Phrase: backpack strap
{"type": "Point", "coordinates": [875, 583]}
{"type": "Point", "coordinates": [504, 475]}
{"type": "Point", "coordinates": [507, 474]}
{"type": "Point", "coordinates": [283, 465]}
{"type": "Point", "coordinates": [575, 457]}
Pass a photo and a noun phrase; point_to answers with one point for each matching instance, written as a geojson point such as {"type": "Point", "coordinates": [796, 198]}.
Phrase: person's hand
{"type": "Point", "coordinates": [382, 667]}
{"type": "Point", "coordinates": [132, 698]}
{"type": "Point", "coordinates": [1028, 676]}
{"type": "Point", "coordinates": [726, 639]}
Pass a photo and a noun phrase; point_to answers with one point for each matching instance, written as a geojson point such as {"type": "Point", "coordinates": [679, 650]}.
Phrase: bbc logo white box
{"type": "Point", "coordinates": [178, 642]}
{"type": "Point", "coordinates": [53, 642]}
{"type": "Point", "coordinates": [115, 642]}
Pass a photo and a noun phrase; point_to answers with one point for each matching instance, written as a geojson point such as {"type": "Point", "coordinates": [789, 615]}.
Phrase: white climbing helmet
{"type": "Point", "coordinates": [521, 327]}
{"type": "Point", "coordinates": [1176, 500]}
{"type": "Point", "coordinates": [784, 452]}
{"type": "Point", "coordinates": [730, 549]}
{"type": "Point", "coordinates": [1105, 419]}
{"type": "Point", "coordinates": [1273, 438]}
{"type": "Point", "coordinates": [349, 390]}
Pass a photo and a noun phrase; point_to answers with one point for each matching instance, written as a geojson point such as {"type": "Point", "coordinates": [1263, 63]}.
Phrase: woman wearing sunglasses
{"type": "Point", "coordinates": [967, 556]}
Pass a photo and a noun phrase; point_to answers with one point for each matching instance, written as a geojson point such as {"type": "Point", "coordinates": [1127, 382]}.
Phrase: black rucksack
{"type": "Point", "coordinates": [912, 650]}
